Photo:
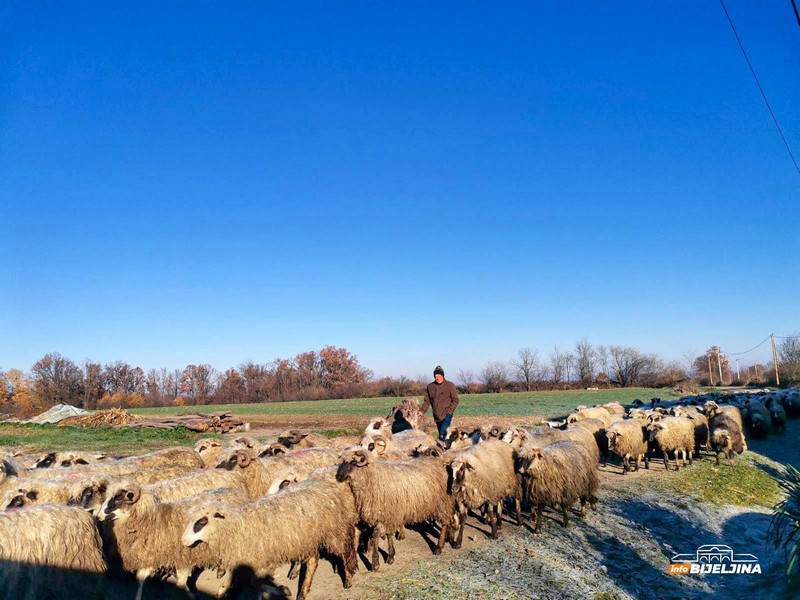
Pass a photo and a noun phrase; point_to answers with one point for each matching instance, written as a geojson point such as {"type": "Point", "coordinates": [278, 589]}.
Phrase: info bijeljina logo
{"type": "Point", "coordinates": [714, 559]}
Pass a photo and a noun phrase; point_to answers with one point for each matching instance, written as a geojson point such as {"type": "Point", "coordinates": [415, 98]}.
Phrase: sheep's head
{"type": "Point", "coordinates": [653, 429]}
{"type": "Point", "coordinates": [246, 442]}
{"type": "Point", "coordinates": [377, 444]}
{"type": "Point", "coordinates": [89, 495]}
{"type": "Point", "coordinates": [455, 437]}
{"type": "Point", "coordinates": [654, 417]}
{"type": "Point", "coordinates": [291, 438]}
{"type": "Point", "coordinates": [490, 431]}
{"type": "Point", "coordinates": [614, 438]}
{"type": "Point", "coordinates": [352, 459]}
{"type": "Point", "coordinates": [459, 470]}
{"type": "Point", "coordinates": [204, 524]}
{"type": "Point", "coordinates": [720, 440]}
{"type": "Point", "coordinates": [19, 498]}
{"type": "Point", "coordinates": [572, 418]}
{"type": "Point", "coordinates": [274, 449]}
{"type": "Point", "coordinates": [710, 408]}
{"type": "Point", "coordinates": [283, 478]}
{"type": "Point", "coordinates": [424, 450]}
{"type": "Point", "coordinates": [47, 461]}
{"type": "Point", "coordinates": [235, 457]}
{"type": "Point", "coordinates": [515, 436]}
{"type": "Point", "coordinates": [120, 499]}
{"type": "Point", "coordinates": [379, 425]}
{"type": "Point", "coordinates": [526, 460]}
{"type": "Point", "coordinates": [207, 445]}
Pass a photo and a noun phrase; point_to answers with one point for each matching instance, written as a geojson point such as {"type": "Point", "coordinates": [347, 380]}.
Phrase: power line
{"type": "Point", "coordinates": [763, 95]}
{"type": "Point", "coordinates": [796, 14]}
{"type": "Point", "coordinates": [746, 351]}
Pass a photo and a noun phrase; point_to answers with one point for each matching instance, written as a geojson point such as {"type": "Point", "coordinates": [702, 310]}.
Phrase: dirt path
{"type": "Point", "coordinates": [621, 551]}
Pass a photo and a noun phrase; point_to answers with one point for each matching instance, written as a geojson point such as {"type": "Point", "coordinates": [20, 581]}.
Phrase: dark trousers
{"type": "Point", "coordinates": [443, 425]}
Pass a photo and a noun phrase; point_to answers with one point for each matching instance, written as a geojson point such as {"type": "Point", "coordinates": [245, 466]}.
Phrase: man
{"type": "Point", "coordinates": [443, 397]}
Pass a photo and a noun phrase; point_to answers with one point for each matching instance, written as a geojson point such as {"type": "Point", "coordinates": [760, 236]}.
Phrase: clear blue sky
{"type": "Point", "coordinates": [422, 183]}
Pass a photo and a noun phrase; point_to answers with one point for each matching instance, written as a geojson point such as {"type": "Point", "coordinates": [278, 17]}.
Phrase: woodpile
{"type": "Point", "coordinates": [217, 422]}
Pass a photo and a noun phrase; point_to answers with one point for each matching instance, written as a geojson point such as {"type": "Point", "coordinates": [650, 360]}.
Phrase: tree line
{"type": "Point", "coordinates": [334, 372]}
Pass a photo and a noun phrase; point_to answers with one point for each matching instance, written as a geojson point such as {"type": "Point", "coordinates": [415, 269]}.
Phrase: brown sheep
{"type": "Point", "coordinates": [628, 440]}
{"type": "Point", "coordinates": [391, 495]}
{"type": "Point", "coordinates": [293, 525]}
{"type": "Point", "coordinates": [673, 434]}
{"type": "Point", "coordinates": [726, 437]}
{"type": "Point", "coordinates": [558, 475]}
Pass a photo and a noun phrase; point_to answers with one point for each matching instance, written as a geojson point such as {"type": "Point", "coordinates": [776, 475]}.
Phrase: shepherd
{"type": "Point", "coordinates": [443, 397]}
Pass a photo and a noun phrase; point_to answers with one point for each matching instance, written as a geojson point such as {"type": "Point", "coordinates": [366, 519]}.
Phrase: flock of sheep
{"type": "Point", "coordinates": [220, 509]}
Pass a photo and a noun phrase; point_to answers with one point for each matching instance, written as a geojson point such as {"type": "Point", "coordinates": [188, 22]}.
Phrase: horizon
{"type": "Point", "coordinates": [419, 184]}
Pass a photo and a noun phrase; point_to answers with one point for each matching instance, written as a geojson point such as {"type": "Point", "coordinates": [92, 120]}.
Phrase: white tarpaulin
{"type": "Point", "coordinates": [57, 413]}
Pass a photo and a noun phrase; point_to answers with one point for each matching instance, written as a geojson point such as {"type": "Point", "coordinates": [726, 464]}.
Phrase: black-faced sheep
{"type": "Point", "coordinates": [558, 475]}
{"type": "Point", "coordinates": [759, 421]}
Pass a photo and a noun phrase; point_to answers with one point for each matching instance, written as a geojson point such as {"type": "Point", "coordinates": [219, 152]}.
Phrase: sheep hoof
{"type": "Point", "coordinates": [389, 560]}
{"type": "Point", "coordinates": [457, 545]}
{"type": "Point", "coordinates": [437, 551]}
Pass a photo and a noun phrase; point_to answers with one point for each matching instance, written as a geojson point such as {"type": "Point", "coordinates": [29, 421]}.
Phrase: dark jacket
{"type": "Point", "coordinates": [443, 397]}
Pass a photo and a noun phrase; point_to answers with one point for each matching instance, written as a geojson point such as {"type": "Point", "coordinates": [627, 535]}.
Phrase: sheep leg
{"type": "Point", "coordinates": [294, 569]}
{"type": "Point", "coordinates": [493, 518]}
{"type": "Point", "coordinates": [390, 542]}
{"type": "Point", "coordinates": [593, 502]}
{"type": "Point", "coordinates": [646, 461]}
{"type": "Point", "coordinates": [518, 507]}
{"type": "Point", "coordinates": [141, 575]}
{"type": "Point", "coordinates": [349, 561]}
{"type": "Point", "coordinates": [460, 537]}
{"type": "Point", "coordinates": [583, 507]}
{"type": "Point", "coordinates": [307, 575]}
{"type": "Point", "coordinates": [718, 455]}
{"type": "Point", "coordinates": [625, 465]}
{"type": "Point", "coordinates": [637, 463]}
{"type": "Point", "coordinates": [376, 555]}
{"type": "Point", "coordinates": [690, 457]}
{"type": "Point", "coordinates": [442, 539]}
{"type": "Point", "coordinates": [182, 577]}
{"type": "Point", "coordinates": [539, 510]}
{"type": "Point", "coordinates": [401, 533]}
{"type": "Point", "coordinates": [499, 515]}
{"type": "Point", "coordinates": [565, 511]}
{"type": "Point", "coordinates": [666, 461]}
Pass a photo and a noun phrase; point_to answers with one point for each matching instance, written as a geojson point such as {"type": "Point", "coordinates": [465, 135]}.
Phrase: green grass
{"type": "Point", "coordinates": [743, 484]}
{"type": "Point", "coordinates": [32, 438]}
{"type": "Point", "coordinates": [548, 404]}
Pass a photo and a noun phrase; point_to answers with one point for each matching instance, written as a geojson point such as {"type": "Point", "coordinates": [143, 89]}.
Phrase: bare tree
{"type": "Point", "coordinates": [629, 364]}
{"type": "Point", "coordinates": [559, 365]}
{"type": "Point", "coordinates": [585, 361]}
{"type": "Point", "coordinates": [57, 379]}
{"type": "Point", "coordinates": [494, 376]}
{"type": "Point", "coordinates": [603, 359]}
{"type": "Point", "coordinates": [526, 366]}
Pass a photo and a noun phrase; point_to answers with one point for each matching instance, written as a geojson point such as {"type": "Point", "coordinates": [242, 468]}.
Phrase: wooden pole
{"type": "Point", "coordinates": [775, 360]}
{"type": "Point", "coordinates": [719, 365]}
{"type": "Point", "coordinates": [710, 375]}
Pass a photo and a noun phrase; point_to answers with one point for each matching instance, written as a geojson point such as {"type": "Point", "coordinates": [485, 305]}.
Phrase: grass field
{"type": "Point", "coordinates": [522, 404]}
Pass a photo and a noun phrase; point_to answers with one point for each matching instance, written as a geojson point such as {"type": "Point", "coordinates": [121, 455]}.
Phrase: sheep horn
{"type": "Point", "coordinates": [136, 492]}
{"type": "Point", "coordinates": [243, 459]}
{"type": "Point", "coordinates": [361, 458]}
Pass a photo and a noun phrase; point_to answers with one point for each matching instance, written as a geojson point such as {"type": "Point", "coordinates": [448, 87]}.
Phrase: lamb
{"type": "Point", "coordinates": [293, 525]}
{"type": "Point", "coordinates": [673, 434]}
{"type": "Point", "coordinates": [391, 495]}
{"type": "Point", "coordinates": [726, 436]}
{"type": "Point", "coordinates": [628, 439]}
{"type": "Point", "coordinates": [258, 473]}
{"type": "Point", "coordinates": [559, 474]}
{"type": "Point", "coordinates": [209, 450]}
{"type": "Point", "coordinates": [147, 530]}
{"type": "Point", "coordinates": [484, 475]}
{"type": "Point", "coordinates": [42, 547]}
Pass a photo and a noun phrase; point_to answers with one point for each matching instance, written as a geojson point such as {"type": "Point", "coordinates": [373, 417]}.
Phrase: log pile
{"type": "Point", "coordinates": [101, 418]}
{"type": "Point", "coordinates": [217, 422]}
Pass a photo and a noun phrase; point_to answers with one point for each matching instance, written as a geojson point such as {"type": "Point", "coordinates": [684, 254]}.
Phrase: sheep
{"type": "Point", "coordinates": [379, 426]}
{"type": "Point", "coordinates": [628, 439]}
{"type": "Point", "coordinates": [66, 459]}
{"type": "Point", "coordinates": [146, 531]}
{"type": "Point", "coordinates": [712, 409]}
{"type": "Point", "coordinates": [197, 483]}
{"type": "Point", "coordinates": [10, 467]}
{"type": "Point", "coordinates": [169, 457]}
{"type": "Point", "coordinates": [791, 403]}
{"type": "Point", "coordinates": [484, 475]}
{"type": "Point", "coordinates": [391, 495]}
{"type": "Point", "coordinates": [584, 437]}
{"type": "Point", "coordinates": [405, 415]}
{"type": "Point", "coordinates": [595, 412]}
{"type": "Point", "coordinates": [274, 449]}
{"type": "Point", "coordinates": [559, 474]}
{"type": "Point", "coordinates": [408, 439]}
{"type": "Point", "coordinates": [615, 408]}
{"type": "Point", "coordinates": [726, 437]}
{"type": "Point", "coordinates": [209, 450]}
{"type": "Point", "coordinates": [258, 473]}
{"type": "Point", "coordinates": [382, 448]}
{"type": "Point", "coordinates": [516, 436]}
{"type": "Point", "coordinates": [777, 415]}
{"type": "Point", "coordinates": [298, 439]}
{"type": "Point", "coordinates": [673, 434]}
{"type": "Point", "coordinates": [43, 547]}
{"type": "Point", "coordinates": [759, 421]}
{"type": "Point", "coordinates": [457, 438]}
{"type": "Point", "coordinates": [290, 526]}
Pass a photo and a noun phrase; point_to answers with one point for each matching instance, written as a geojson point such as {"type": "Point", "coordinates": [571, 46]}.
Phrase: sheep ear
{"type": "Point", "coordinates": [31, 495]}
{"type": "Point", "coordinates": [469, 467]}
{"type": "Point", "coordinates": [219, 515]}
{"type": "Point", "coordinates": [80, 461]}
{"type": "Point", "coordinates": [376, 425]}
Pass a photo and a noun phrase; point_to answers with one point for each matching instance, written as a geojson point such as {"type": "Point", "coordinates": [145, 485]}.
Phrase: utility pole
{"type": "Point", "coordinates": [737, 368]}
{"type": "Point", "coordinates": [719, 364]}
{"type": "Point", "coordinates": [710, 374]}
{"type": "Point", "coordinates": [775, 360]}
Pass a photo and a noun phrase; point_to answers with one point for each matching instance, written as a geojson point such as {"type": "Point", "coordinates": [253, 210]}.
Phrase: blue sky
{"type": "Point", "coordinates": [220, 182]}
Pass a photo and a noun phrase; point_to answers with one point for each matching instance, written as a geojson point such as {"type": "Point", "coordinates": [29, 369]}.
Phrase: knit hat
{"type": "Point", "coordinates": [438, 371]}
